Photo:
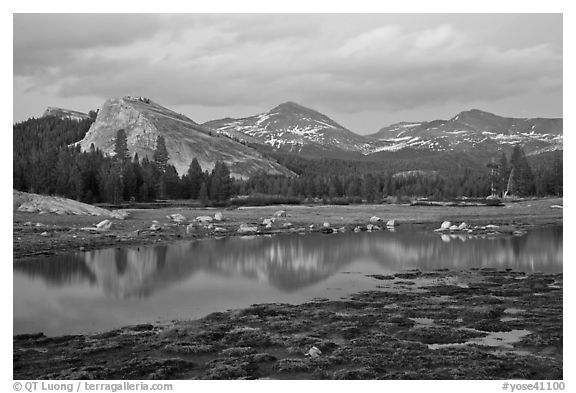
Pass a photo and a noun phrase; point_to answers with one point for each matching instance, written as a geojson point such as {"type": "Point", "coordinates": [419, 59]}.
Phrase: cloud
{"type": "Point", "coordinates": [341, 63]}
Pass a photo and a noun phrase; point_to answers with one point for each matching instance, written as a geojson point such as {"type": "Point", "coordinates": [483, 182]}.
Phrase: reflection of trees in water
{"type": "Point", "coordinates": [291, 262]}
{"type": "Point", "coordinates": [66, 269]}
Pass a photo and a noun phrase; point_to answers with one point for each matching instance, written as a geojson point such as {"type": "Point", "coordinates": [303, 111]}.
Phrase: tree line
{"type": "Point", "coordinates": [47, 162]}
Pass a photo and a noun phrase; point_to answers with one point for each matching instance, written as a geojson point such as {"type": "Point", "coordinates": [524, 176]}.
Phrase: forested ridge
{"type": "Point", "coordinates": [46, 161]}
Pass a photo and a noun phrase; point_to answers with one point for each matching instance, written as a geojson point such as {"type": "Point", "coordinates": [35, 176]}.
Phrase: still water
{"type": "Point", "coordinates": [104, 289]}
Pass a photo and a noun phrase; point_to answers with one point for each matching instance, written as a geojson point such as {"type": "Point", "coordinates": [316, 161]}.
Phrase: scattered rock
{"type": "Point", "coordinates": [357, 229]}
{"type": "Point", "coordinates": [267, 221]}
{"type": "Point", "coordinates": [218, 216]}
{"type": "Point", "coordinates": [454, 228]}
{"type": "Point", "coordinates": [462, 226]}
{"type": "Point", "coordinates": [375, 219]}
{"type": "Point", "coordinates": [313, 352]}
{"type": "Point", "coordinates": [104, 225]}
{"type": "Point", "coordinates": [155, 227]}
{"type": "Point", "coordinates": [245, 228]}
{"type": "Point", "coordinates": [280, 213]}
{"type": "Point", "coordinates": [204, 219]}
{"type": "Point", "coordinates": [326, 225]}
{"type": "Point", "coordinates": [177, 218]}
{"type": "Point", "coordinates": [220, 230]}
{"type": "Point", "coordinates": [391, 223]}
{"type": "Point", "coordinates": [44, 234]}
{"type": "Point", "coordinates": [371, 228]}
{"type": "Point", "coordinates": [446, 225]}
{"type": "Point", "coordinates": [190, 229]}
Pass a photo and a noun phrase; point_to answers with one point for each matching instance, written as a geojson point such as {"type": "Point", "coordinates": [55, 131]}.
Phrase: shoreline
{"type": "Point", "coordinates": [440, 324]}
{"type": "Point", "coordinates": [37, 235]}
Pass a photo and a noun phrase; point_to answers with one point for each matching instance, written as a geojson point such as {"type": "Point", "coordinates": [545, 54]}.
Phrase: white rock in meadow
{"type": "Point", "coordinates": [178, 218]}
{"type": "Point", "coordinates": [391, 223]}
{"type": "Point", "coordinates": [375, 219]}
{"type": "Point", "coordinates": [104, 225]}
{"type": "Point", "coordinates": [454, 228]}
{"type": "Point", "coordinates": [313, 352]}
{"type": "Point", "coordinates": [462, 226]}
{"type": "Point", "coordinates": [204, 219]}
{"type": "Point", "coordinates": [445, 225]}
{"type": "Point", "coordinates": [326, 225]}
{"type": "Point", "coordinates": [280, 213]}
{"type": "Point", "coordinates": [245, 228]}
{"type": "Point", "coordinates": [218, 216]}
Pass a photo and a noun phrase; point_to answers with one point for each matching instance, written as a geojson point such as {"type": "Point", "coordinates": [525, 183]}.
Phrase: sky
{"type": "Point", "coordinates": [365, 71]}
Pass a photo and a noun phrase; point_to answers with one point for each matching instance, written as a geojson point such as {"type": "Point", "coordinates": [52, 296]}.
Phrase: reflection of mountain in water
{"type": "Point", "coordinates": [291, 262]}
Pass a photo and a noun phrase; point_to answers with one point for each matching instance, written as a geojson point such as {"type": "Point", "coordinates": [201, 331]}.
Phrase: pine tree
{"type": "Point", "coordinates": [160, 156]}
{"type": "Point", "coordinates": [523, 178]}
{"type": "Point", "coordinates": [503, 173]}
{"type": "Point", "coordinates": [193, 179]}
{"type": "Point", "coordinates": [220, 182]}
{"type": "Point", "coordinates": [121, 146]}
{"type": "Point", "coordinates": [203, 193]}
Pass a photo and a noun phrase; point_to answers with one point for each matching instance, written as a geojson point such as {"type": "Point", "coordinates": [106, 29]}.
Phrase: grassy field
{"type": "Point", "coordinates": [43, 234]}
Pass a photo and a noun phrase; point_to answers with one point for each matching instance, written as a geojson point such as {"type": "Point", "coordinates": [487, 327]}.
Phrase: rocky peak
{"type": "Point", "coordinates": [144, 120]}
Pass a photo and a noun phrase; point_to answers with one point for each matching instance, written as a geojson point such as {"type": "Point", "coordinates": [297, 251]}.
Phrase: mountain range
{"type": "Point", "coordinates": [245, 144]}
{"type": "Point", "coordinates": [295, 129]}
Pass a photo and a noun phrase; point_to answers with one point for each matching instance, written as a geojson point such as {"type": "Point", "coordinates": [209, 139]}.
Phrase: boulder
{"type": "Point", "coordinates": [104, 225]}
{"type": "Point", "coordinates": [220, 230]}
{"type": "Point", "coordinates": [267, 221]}
{"type": "Point", "coordinates": [204, 219]}
{"type": "Point", "coordinates": [218, 216]}
{"type": "Point", "coordinates": [119, 214]}
{"type": "Point", "coordinates": [326, 225]}
{"type": "Point", "coordinates": [245, 228]}
{"type": "Point", "coordinates": [44, 234]}
{"type": "Point", "coordinates": [462, 226]}
{"type": "Point", "coordinates": [357, 229]}
{"type": "Point", "coordinates": [313, 352]}
{"type": "Point", "coordinates": [371, 227]}
{"type": "Point", "coordinates": [446, 225]}
{"type": "Point", "coordinates": [280, 213]}
{"type": "Point", "coordinates": [375, 219]}
{"type": "Point", "coordinates": [155, 227]}
{"type": "Point", "coordinates": [287, 225]}
{"type": "Point", "coordinates": [454, 228]}
{"type": "Point", "coordinates": [391, 223]}
{"type": "Point", "coordinates": [491, 226]}
{"type": "Point", "coordinates": [178, 218]}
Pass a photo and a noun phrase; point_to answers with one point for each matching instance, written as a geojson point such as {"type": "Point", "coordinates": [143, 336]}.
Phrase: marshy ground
{"type": "Point", "coordinates": [471, 324]}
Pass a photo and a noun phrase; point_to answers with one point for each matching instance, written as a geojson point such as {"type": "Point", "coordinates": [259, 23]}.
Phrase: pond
{"type": "Point", "coordinates": [105, 289]}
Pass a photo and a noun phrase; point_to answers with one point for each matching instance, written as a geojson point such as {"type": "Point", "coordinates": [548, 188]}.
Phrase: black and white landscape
{"type": "Point", "coordinates": [298, 196]}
